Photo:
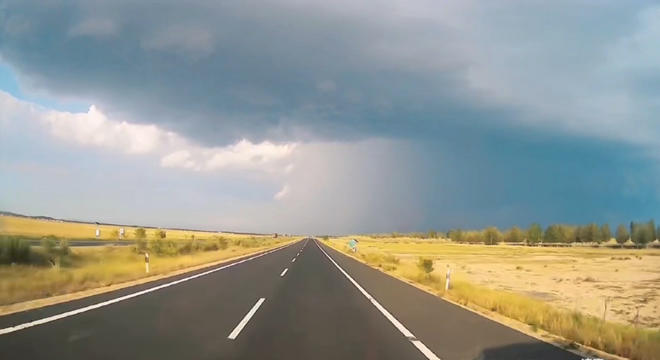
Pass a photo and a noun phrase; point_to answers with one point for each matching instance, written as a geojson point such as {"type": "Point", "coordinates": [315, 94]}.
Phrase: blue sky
{"type": "Point", "coordinates": [332, 117]}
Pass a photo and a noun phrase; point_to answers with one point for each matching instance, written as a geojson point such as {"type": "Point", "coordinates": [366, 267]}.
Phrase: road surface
{"type": "Point", "coordinates": [304, 301]}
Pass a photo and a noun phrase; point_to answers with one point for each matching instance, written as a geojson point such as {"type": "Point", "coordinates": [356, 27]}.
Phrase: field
{"type": "Point", "coordinates": [10, 225]}
{"type": "Point", "coordinates": [53, 269]}
{"type": "Point", "coordinates": [572, 278]}
{"type": "Point", "coordinates": [560, 290]}
{"type": "Point", "coordinates": [89, 268]}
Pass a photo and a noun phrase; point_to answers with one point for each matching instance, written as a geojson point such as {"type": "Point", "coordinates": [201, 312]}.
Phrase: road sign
{"type": "Point", "coordinates": [353, 245]}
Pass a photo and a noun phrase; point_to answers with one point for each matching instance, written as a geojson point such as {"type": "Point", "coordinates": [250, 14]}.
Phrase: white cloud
{"type": "Point", "coordinates": [95, 129]}
{"type": "Point", "coordinates": [243, 155]}
{"type": "Point", "coordinates": [179, 158]}
{"type": "Point", "coordinates": [282, 193]}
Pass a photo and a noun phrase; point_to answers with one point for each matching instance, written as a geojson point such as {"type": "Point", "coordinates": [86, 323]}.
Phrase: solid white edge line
{"type": "Point", "coordinates": [126, 297]}
{"type": "Point", "coordinates": [284, 272]}
{"type": "Point", "coordinates": [418, 344]}
{"type": "Point", "coordinates": [245, 320]}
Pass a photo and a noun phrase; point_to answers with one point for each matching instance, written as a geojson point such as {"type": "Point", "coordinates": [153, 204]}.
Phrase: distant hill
{"type": "Point", "coordinates": [48, 218]}
{"type": "Point", "coordinates": [7, 213]}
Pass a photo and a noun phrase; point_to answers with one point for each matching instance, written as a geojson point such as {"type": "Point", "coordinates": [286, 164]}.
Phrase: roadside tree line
{"type": "Point", "coordinates": [639, 233]}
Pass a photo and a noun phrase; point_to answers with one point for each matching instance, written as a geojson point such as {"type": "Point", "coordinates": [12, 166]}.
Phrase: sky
{"type": "Point", "coordinates": [331, 117]}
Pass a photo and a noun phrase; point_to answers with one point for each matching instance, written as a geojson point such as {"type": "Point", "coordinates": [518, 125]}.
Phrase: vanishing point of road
{"type": "Point", "coordinates": [302, 301]}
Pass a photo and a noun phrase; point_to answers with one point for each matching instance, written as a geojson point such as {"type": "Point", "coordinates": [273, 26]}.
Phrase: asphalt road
{"type": "Point", "coordinates": [292, 303]}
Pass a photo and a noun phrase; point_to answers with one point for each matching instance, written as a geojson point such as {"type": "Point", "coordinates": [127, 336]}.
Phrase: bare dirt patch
{"type": "Point", "coordinates": [575, 279]}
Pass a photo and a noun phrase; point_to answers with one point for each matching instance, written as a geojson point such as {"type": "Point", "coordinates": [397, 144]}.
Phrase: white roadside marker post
{"type": "Point", "coordinates": [448, 278]}
{"type": "Point", "coordinates": [146, 262]}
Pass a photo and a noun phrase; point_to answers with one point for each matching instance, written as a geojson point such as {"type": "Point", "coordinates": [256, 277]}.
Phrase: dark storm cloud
{"type": "Point", "coordinates": [504, 111]}
{"type": "Point", "coordinates": [218, 70]}
{"type": "Point", "coordinates": [298, 70]}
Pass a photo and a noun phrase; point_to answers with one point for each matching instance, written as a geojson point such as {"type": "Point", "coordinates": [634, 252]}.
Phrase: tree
{"type": "Point", "coordinates": [140, 233]}
{"type": "Point", "coordinates": [651, 226]}
{"type": "Point", "coordinates": [491, 235]}
{"type": "Point", "coordinates": [514, 235]}
{"type": "Point", "coordinates": [605, 233]}
{"type": "Point", "coordinates": [622, 234]}
{"type": "Point", "coordinates": [456, 235]}
{"type": "Point", "coordinates": [433, 234]}
{"type": "Point", "coordinates": [568, 234]}
{"type": "Point", "coordinates": [632, 229]}
{"type": "Point", "coordinates": [657, 233]}
{"type": "Point", "coordinates": [535, 233]}
{"type": "Point", "coordinates": [553, 234]}
{"type": "Point", "coordinates": [592, 233]}
{"type": "Point", "coordinates": [643, 233]}
{"type": "Point", "coordinates": [159, 234]}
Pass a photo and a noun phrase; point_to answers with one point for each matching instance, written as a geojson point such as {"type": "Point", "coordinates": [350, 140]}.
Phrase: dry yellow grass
{"type": "Point", "coordinates": [399, 259]}
{"type": "Point", "coordinates": [88, 268]}
{"type": "Point", "coordinates": [10, 225]}
{"type": "Point", "coordinates": [98, 267]}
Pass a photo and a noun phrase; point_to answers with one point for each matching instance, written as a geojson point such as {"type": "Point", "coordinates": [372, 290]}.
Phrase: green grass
{"type": "Point", "coordinates": [623, 340]}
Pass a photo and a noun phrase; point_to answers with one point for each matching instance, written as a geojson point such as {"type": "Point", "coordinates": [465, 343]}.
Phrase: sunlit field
{"type": "Point", "coordinates": [10, 225]}
{"type": "Point", "coordinates": [36, 272]}
{"type": "Point", "coordinates": [559, 290]}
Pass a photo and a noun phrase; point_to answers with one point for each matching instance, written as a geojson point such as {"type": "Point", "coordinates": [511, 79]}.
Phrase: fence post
{"type": "Point", "coordinates": [605, 311]}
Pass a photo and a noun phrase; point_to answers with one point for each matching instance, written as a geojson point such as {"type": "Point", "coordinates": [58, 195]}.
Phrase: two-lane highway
{"type": "Point", "coordinates": [302, 301]}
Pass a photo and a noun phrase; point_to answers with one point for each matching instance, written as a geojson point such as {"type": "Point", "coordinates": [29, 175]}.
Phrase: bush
{"type": "Point", "coordinates": [160, 234]}
{"type": "Point", "coordinates": [64, 247]}
{"type": "Point", "coordinates": [140, 233]}
{"type": "Point", "coordinates": [156, 245]}
{"type": "Point", "coordinates": [140, 245]}
{"type": "Point", "coordinates": [211, 246]}
{"type": "Point", "coordinates": [48, 244]}
{"type": "Point", "coordinates": [14, 251]}
{"type": "Point", "coordinates": [222, 243]}
{"type": "Point", "coordinates": [186, 248]}
{"type": "Point", "coordinates": [248, 243]}
{"type": "Point", "coordinates": [425, 265]}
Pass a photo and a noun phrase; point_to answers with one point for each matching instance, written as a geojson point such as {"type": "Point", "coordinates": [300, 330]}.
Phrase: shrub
{"type": "Point", "coordinates": [425, 265]}
{"type": "Point", "coordinates": [64, 247]}
{"type": "Point", "coordinates": [248, 243]}
{"type": "Point", "coordinates": [140, 245]}
{"type": "Point", "coordinates": [14, 250]}
{"type": "Point", "coordinates": [159, 234]}
{"type": "Point", "coordinates": [156, 245]}
{"type": "Point", "coordinates": [210, 246]}
{"type": "Point", "coordinates": [48, 244]}
{"type": "Point", "coordinates": [140, 233]}
{"type": "Point", "coordinates": [186, 248]}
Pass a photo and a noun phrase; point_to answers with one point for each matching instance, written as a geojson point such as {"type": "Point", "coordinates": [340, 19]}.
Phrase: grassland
{"type": "Point", "coordinates": [558, 290]}
{"type": "Point", "coordinates": [10, 225]}
{"type": "Point", "coordinates": [88, 268]}
{"type": "Point", "coordinates": [53, 269]}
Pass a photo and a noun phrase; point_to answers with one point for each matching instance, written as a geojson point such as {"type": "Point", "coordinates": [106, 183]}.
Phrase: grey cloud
{"type": "Point", "coordinates": [221, 70]}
